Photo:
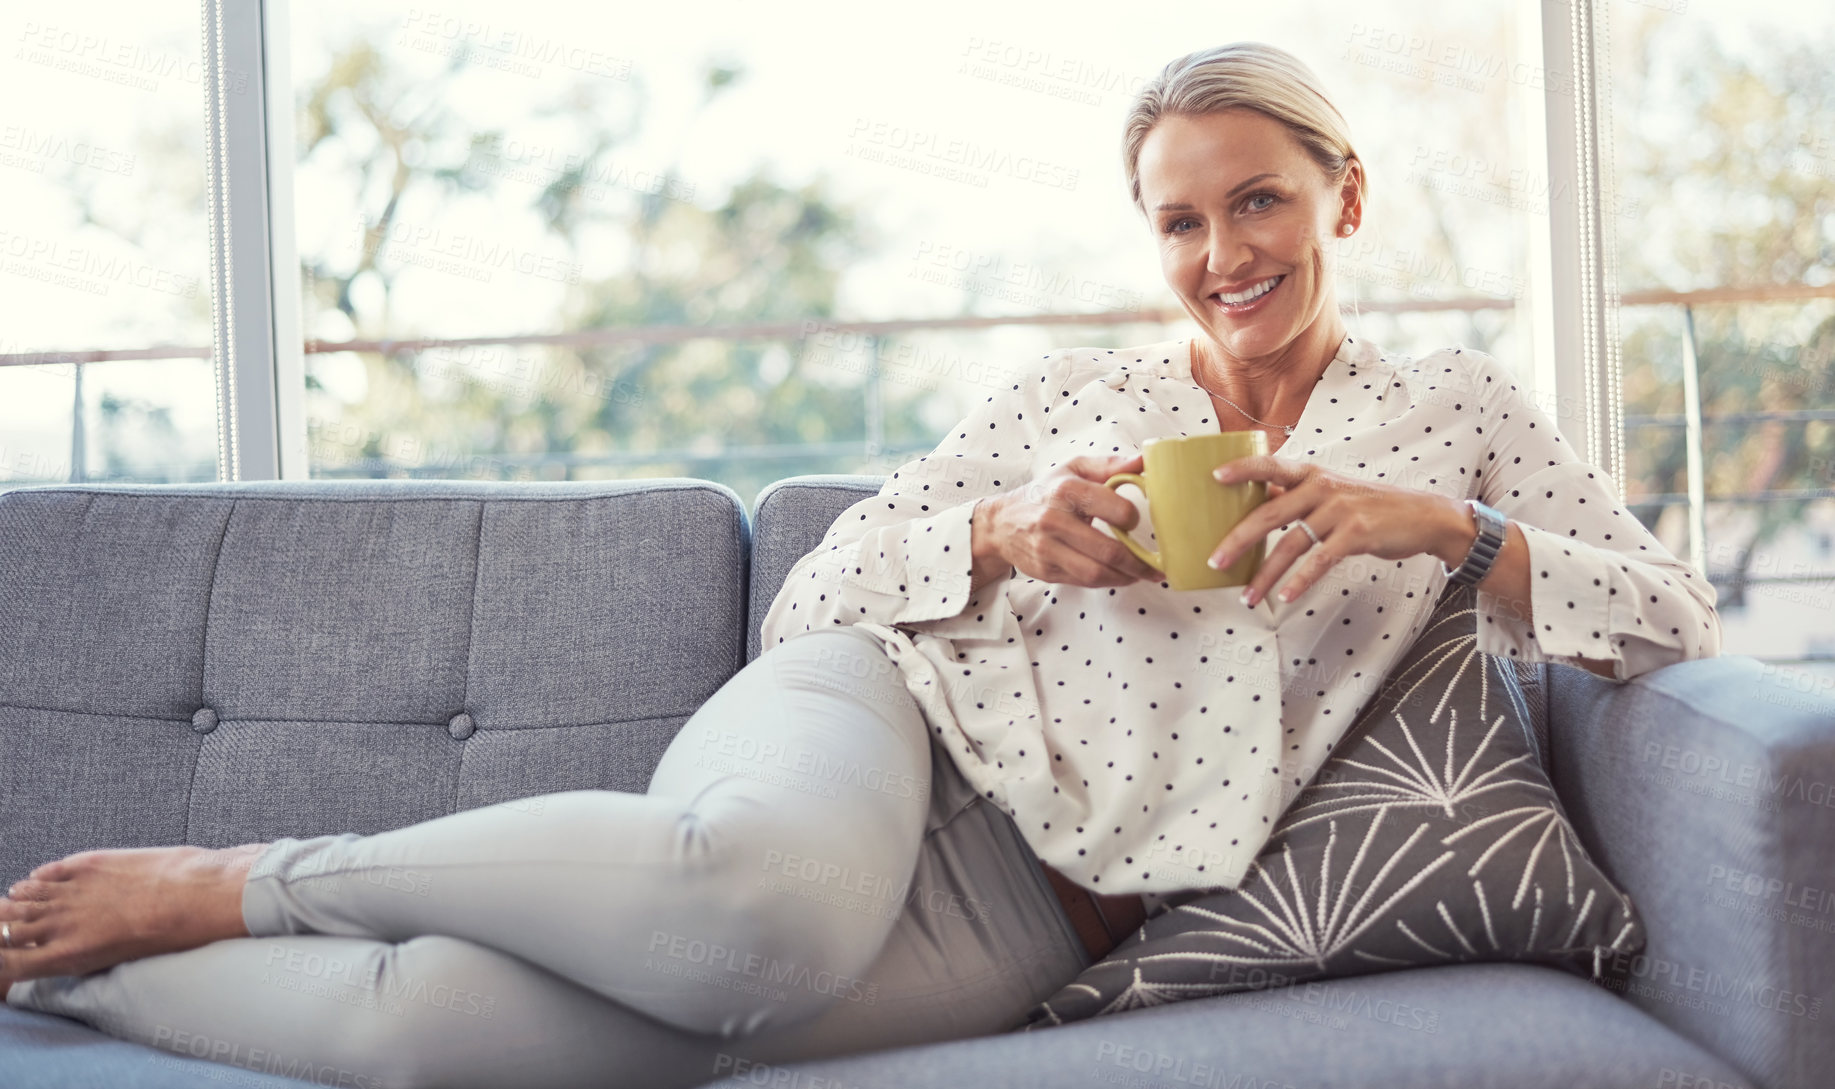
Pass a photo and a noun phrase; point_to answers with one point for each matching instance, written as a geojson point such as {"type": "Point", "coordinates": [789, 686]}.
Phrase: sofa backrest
{"type": "Point", "coordinates": [221, 664]}
{"type": "Point", "coordinates": [789, 519]}
{"type": "Point", "coordinates": [227, 663]}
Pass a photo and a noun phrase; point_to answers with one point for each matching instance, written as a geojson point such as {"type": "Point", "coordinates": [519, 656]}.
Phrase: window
{"type": "Point", "coordinates": [105, 322]}
{"type": "Point", "coordinates": [546, 241]}
{"type": "Point", "coordinates": [1723, 146]}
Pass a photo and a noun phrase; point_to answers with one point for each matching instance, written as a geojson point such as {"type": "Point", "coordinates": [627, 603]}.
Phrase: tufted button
{"type": "Point", "coordinates": [461, 726]}
{"type": "Point", "coordinates": [204, 721]}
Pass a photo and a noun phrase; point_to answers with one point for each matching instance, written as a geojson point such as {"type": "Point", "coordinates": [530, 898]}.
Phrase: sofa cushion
{"type": "Point", "coordinates": [1430, 836]}
{"type": "Point", "coordinates": [39, 1051]}
{"type": "Point", "coordinates": [217, 664]}
{"type": "Point", "coordinates": [1474, 1026]}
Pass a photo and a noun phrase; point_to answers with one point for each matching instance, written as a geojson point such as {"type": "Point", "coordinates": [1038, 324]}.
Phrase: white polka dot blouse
{"type": "Point", "coordinates": [1146, 739]}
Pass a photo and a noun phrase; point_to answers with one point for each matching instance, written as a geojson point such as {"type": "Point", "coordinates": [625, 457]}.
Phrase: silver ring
{"type": "Point", "coordinates": [1309, 531]}
{"type": "Point", "coordinates": [6, 934]}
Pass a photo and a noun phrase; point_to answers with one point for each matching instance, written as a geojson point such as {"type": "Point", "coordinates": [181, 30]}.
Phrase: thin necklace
{"type": "Point", "coordinates": [1286, 429]}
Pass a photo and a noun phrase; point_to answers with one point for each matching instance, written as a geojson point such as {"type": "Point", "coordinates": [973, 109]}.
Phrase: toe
{"type": "Point", "coordinates": [18, 964]}
{"type": "Point", "coordinates": [28, 933]}
{"type": "Point", "coordinates": [60, 869]}
{"type": "Point", "coordinates": [26, 922]}
{"type": "Point", "coordinates": [31, 890]}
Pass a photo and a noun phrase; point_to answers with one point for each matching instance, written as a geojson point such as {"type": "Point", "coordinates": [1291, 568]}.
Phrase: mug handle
{"type": "Point", "coordinates": [1151, 559]}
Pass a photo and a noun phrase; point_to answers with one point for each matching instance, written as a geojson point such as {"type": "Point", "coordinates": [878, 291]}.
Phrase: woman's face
{"type": "Point", "coordinates": [1243, 217]}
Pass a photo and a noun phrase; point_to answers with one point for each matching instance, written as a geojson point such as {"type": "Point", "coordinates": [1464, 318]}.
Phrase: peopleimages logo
{"type": "Point", "coordinates": [1033, 69]}
{"type": "Point", "coordinates": [260, 1059]}
{"type": "Point", "coordinates": [505, 48]}
{"type": "Point", "coordinates": [86, 268]}
{"type": "Point", "coordinates": [766, 972]}
{"type": "Point", "coordinates": [111, 60]}
{"type": "Point", "coordinates": [811, 763]}
{"type": "Point", "coordinates": [841, 885]}
{"type": "Point", "coordinates": [902, 145]}
{"type": "Point", "coordinates": [29, 149]}
{"type": "Point", "coordinates": [1765, 886]}
{"type": "Point", "coordinates": [1684, 985]}
{"type": "Point", "coordinates": [469, 256]}
{"type": "Point", "coordinates": [983, 273]}
{"type": "Point", "coordinates": [1175, 1069]}
{"type": "Point", "coordinates": [893, 354]}
{"type": "Point", "coordinates": [1749, 776]}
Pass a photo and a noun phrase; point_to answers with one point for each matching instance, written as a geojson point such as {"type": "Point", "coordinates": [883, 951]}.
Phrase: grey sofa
{"type": "Point", "coordinates": [216, 664]}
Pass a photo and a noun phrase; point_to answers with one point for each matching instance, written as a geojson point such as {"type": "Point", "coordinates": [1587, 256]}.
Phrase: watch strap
{"type": "Point", "coordinates": [1485, 546]}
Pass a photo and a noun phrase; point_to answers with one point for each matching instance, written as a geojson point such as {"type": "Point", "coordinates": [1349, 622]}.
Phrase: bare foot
{"type": "Point", "coordinates": [95, 909]}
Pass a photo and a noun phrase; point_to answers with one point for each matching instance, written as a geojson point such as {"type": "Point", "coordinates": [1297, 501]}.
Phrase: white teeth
{"type": "Point", "coordinates": [1255, 292]}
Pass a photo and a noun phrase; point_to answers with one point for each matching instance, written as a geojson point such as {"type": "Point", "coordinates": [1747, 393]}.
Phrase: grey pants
{"type": "Point", "coordinates": [808, 875]}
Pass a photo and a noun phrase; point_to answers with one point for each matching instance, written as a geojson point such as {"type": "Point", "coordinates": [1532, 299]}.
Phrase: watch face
{"type": "Point", "coordinates": [1485, 545]}
{"type": "Point", "coordinates": [1490, 520]}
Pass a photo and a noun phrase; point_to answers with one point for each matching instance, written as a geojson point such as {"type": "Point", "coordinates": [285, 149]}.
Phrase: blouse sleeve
{"type": "Point", "coordinates": [1601, 585]}
{"type": "Point", "coordinates": [902, 558]}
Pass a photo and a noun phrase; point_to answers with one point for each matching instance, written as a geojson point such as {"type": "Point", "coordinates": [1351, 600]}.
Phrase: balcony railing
{"type": "Point", "coordinates": [1691, 419]}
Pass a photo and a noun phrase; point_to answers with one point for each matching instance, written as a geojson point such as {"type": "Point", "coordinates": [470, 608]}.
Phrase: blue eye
{"type": "Point", "coordinates": [1175, 223]}
{"type": "Point", "coordinates": [1260, 196]}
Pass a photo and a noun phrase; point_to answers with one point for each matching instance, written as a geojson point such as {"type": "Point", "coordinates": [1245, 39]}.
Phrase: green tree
{"type": "Point", "coordinates": [1733, 196]}
{"type": "Point", "coordinates": [766, 253]}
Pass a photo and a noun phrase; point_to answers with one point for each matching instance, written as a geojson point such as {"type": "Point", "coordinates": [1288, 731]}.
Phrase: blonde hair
{"type": "Point", "coordinates": [1246, 75]}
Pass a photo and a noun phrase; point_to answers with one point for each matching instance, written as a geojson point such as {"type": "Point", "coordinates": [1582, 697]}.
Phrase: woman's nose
{"type": "Point", "coordinates": [1227, 251]}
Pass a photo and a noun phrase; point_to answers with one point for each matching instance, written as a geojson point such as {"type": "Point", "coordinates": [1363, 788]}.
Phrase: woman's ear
{"type": "Point", "coordinates": [1351, 192]}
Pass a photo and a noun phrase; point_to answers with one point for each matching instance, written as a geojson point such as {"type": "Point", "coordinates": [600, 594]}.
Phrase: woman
{"type": "Point", "coordinates": [984, 739]}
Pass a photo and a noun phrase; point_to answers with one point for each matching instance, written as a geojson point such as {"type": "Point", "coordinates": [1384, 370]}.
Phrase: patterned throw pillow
{"type": "Point", "coordinates": [1431, 836]}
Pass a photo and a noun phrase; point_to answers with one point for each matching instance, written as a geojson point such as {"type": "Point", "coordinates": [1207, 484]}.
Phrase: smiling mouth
{"type": "Point", "coordinates": [1238, 302]}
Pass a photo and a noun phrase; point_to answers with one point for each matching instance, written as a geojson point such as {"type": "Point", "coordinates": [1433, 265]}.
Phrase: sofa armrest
{"type": "Point", "coordinates": [1707, 790]}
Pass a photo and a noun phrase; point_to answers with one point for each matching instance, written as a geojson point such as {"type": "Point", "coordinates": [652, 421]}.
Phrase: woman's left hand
{"type": "Point", "coordinates": [1350, 516]}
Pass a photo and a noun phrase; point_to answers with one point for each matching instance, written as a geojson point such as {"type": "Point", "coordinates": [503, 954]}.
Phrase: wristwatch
{"type": "Point", "coordinates": [1484, 550]}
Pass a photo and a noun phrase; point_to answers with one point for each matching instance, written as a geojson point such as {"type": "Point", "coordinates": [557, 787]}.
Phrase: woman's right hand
{"type": "Point", "coordinates": [1042, 528]}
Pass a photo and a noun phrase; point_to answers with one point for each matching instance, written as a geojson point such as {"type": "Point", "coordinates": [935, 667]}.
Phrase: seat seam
{"type": "Point", "coordinates": [320, 497]}
{"type": "Point", "coordinates": [210, 593]}
{"type": "Point", "coordinates": [6, 706]}
{"type": "Point", "coordinates": [471, 625]}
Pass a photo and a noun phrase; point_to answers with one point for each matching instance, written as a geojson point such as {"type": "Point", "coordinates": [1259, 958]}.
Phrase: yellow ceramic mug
{"type": "Point", "coordinates": [1191, 511]}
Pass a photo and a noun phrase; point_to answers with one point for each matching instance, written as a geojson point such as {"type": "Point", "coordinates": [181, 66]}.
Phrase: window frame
{"type": "Point", "coordinates": [257, 317]}
{"type": "Point", "coordinates": [254, 258]}
{"type": "Point", "coordinates": [1575, 334]}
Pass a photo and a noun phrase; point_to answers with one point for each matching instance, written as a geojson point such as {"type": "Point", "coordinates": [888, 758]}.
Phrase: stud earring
{"type": "Point", "coordinates": [1346, 229]}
